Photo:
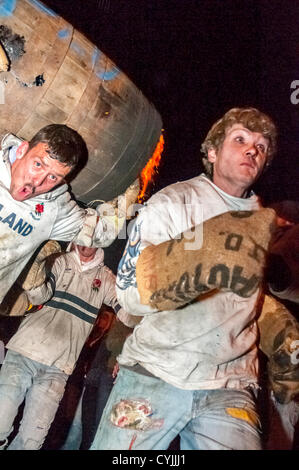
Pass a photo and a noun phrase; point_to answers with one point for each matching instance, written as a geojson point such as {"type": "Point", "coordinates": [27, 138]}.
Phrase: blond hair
{"type": "Point", "coordinates": [250, 118]}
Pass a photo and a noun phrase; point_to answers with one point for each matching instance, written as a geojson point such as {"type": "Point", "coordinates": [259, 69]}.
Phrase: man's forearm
{"type": "Point", "coordinates": [41, 294]}
{"type": "Point", "coordinates": [272, 322]}
{"type": "Point", "coordinates": [279, 340]}
{"type": "Point", "coordinates": [232, 257]}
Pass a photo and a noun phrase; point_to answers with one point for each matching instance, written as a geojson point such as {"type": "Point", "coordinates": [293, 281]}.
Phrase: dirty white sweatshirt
{"type": "Point", "coordinates": [55, 335]}
{"type": "Point", "coordinates": [208, 344]}
{"type": "Point", "coordinates": [23, 228]}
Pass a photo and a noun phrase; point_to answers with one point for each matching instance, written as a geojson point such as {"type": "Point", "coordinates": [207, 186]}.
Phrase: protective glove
{"type": "Point", "coordinates": [232, 257]}
{"type": "Point", "coordinates": [122, 203]}
{"type": "Point", "coordinates": [36, 275]}
{"type": "Point", "coordinates": [111, 214]}
{"type": "Point", "coordinates": [279, 340]}
{"type": "Point", "coordinates": [15, 303]}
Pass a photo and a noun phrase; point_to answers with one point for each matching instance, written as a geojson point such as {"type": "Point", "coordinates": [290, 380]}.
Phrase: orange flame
{"type": "Point", "coordinates": [149, 171]}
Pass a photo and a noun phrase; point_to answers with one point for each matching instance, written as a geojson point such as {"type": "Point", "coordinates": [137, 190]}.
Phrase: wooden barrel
{"type": "Point", "coordinates": [57, 75]}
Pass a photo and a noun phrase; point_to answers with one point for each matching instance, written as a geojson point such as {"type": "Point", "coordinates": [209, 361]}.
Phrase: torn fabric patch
{"type": "Point", "coordinates": [134, 414]}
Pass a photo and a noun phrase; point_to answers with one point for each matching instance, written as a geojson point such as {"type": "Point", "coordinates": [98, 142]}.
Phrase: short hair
{"type": "Point", "coordinates": [250, 118]}
{"type": "Point", "coordinates": [64, 144]}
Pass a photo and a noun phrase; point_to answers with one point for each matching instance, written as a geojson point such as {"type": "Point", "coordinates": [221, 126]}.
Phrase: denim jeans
{"type": "Point", "coordinates": [204, 419]}
{"type": "Point", "coordinates": [88, 413]}
{"type": "Point", "coordinates": [74, 436]}
{"type": "Point", "coordinates": [42, 387]}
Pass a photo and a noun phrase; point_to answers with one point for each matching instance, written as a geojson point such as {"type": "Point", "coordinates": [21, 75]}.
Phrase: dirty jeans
{"type": "Point", "coordinates": [42, 387]}
{"type": "Point", "coordinates": [223, 419]}
{"type": "Point", "coordinates": [88, 413]}
{"type": "Point", "coordinates": [74, 436]}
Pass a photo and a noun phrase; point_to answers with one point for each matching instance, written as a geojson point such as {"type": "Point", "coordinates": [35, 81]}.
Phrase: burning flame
{"type": "Point", "coordinates": [149, 171]}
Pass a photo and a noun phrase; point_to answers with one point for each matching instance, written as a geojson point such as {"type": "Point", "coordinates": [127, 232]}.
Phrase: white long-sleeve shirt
{"type": "Point", "coordinates": [207, 344]}
{"type": "Point", "coordinates": [55, 335]}
{"type": "Point", "coordinates": [23, 229]}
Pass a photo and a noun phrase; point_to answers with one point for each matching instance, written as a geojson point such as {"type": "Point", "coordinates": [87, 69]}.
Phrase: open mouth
{"type": "Point", "coordinates": [25, 191]}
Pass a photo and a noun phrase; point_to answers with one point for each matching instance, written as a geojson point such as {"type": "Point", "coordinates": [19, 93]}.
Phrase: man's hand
{"type": "Point", "coordinates": [122, 203]}
{"type": "Point", "coordinates": [15, 303]}
{"type": "Point", "coordinates": [113, 215]}
{"type": "Point", "coordinates": [279, 340]}
{"type": "Point", "coordinates": [232, 258]}
{"type": "Point", "coordinates": [36, 274]}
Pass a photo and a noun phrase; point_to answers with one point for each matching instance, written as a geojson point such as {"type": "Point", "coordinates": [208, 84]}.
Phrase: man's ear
{"type": "Point", "coordinates": [212, 155]}
{"type": "Point", "coordinates": [22, 149]}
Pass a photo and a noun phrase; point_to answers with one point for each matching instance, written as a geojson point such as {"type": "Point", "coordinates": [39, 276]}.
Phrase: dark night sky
{"type": "Point", "coordinates": [195, 59]}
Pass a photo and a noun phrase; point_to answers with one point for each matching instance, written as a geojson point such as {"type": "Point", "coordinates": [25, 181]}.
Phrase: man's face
{"type": "Point", "coordinates": [34, 172]}
{"type": "Point", "coordinates": [239, 161]}
{"type": "Point", "coordinates": [86, 253]}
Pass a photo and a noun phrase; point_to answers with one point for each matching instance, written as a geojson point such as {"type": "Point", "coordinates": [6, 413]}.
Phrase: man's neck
{"type": "Point", "coordinates": [231, 189]}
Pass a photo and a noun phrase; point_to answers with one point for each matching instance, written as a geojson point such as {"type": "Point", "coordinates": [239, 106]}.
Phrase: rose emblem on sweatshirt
{"type": "Point", "coordinates": [96, 284]}
{"type": "Point", "coordinates": [39, 209]}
